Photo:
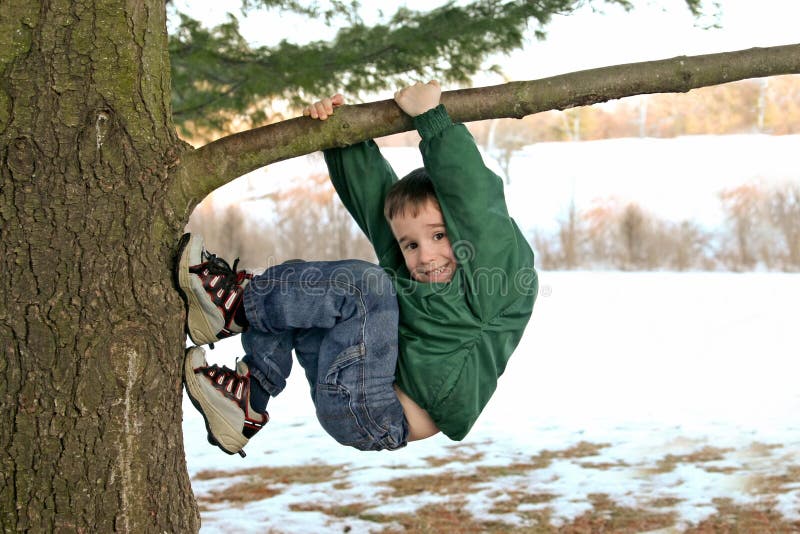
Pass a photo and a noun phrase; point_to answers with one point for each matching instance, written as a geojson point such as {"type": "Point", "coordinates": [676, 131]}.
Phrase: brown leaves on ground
{"type": "Point", "coordinates": [701, 456]}
{"type": "Point", "coordinates": [259, 483]}
{"type": "Point", "coordinates": [443, 496]}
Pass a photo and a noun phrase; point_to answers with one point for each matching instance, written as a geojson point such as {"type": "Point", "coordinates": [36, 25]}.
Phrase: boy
{"type": "Point", "coordinates": [465, 287]}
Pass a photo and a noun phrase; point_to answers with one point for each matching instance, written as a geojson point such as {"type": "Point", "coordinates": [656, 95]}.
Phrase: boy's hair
{"type": "Point", "coordinates": [409, 194]}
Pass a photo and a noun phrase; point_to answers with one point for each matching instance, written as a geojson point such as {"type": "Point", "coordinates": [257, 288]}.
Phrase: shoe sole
{"type": "Point", "coordinates": [197, 326]}
{"type": "Point", "coordinates": [220, 433]}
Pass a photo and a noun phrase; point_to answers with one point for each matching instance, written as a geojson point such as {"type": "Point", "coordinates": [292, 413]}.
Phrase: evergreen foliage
{"type": "Point", "coordinates": [215, 71]}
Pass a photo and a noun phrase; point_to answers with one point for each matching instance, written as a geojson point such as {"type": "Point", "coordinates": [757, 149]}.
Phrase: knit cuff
{"type": "Point", "coordinates": [432, 122]}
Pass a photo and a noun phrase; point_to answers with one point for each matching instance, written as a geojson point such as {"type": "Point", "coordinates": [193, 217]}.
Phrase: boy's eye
{"type": "Point", "coordinates": [411, 246]}
{"type": "Point", "coordinates": [438, 235]}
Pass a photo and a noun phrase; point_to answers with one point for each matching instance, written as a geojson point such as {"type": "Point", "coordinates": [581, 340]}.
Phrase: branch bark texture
{"type": "Point", "coordinates": [217, 163]}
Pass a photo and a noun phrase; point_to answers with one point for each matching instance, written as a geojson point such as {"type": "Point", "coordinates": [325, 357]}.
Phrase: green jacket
{"type": "Point", "coordinates": [455, 338]}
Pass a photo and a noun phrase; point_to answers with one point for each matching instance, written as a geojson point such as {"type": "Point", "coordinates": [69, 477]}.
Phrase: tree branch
{"type": "Point", "coordinates": [217, 163]}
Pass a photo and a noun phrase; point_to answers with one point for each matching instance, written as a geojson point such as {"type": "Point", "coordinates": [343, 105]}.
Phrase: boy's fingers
{"type": "Point", "coordinates": [320, 109]}
{"type": "Point", "coordinates": [434, 82]}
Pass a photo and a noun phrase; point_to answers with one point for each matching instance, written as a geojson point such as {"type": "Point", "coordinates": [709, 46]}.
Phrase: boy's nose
{"type": "Point", "coordinates": [427, 255]}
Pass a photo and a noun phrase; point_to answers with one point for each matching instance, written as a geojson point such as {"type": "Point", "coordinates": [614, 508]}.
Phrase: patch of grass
{"type": "Point", "coordinates": [603, 466]}
{"type": "Point", "coordinates": [668, 463]}
{"type": "Point", "coordinates": [486, 472]}
{"type": "Point", "coordinates": [733, 518]}
{"type": "Point", "coordinates": [762, 449]}
{"type": "Point", "coordinates": [449, 483]}
{"type": "Point", "coordinates": [605, 517]}
{"type": "Point", "coordinates": [727, 470]}
{"type": "Point", "coordinates": [461, 457]}
{"type": "Point", "coordinates": [664, 502]}
{"type": "Point", "coordinates": [608, 516]}
{"type": "Point", "coordinates": [443, 484]}
{"type": "Point", "coordinates": [582, 450]}
{"type": "Point", "coordinates": [543, 459]}
{"type": "Point", "coordinates": [451, 517]}
{"type": "Point", "coordinates": [261, 483]}
{"type": "Point", "coordinates": [302, 474]}
{"type": "Point", "coordinates": [772, 484]}
{"type": "Point", "coordinates": [340, 510]}
{"type": "Point", "coordinates": [250, 490]}
{"type": "Point", "coordinates": [515, 498]}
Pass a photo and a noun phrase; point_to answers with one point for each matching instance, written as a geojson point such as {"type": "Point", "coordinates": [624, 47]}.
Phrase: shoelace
{"type": "Point", "coordinates": [219, 266]}
{"type": "Point", "coordinates": [215, 372]}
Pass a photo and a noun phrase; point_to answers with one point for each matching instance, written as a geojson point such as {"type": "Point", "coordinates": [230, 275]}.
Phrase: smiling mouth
{"type": "Point", "coordinates": [438, 271]}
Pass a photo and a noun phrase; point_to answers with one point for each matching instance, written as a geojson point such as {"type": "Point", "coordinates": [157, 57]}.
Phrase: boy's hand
{"type": "Point", "coordinates": [418, 98]}
{"type": "Point", "coordinates": [323, 108]}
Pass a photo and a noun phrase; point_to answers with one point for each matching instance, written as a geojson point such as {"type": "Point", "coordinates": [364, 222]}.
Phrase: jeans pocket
{"type": "Point", "coordinates": [347, 369]}
{"type": "Point", "coordinates": [339, 398]}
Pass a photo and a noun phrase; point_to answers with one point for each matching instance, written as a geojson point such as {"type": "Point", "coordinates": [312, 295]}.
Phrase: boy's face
{"type": "Point", "coordinates": [426, 248]}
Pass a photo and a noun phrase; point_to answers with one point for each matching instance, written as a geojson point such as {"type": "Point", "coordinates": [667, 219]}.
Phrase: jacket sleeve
{"type": "Point", "coordinates": [496, 258]}
{"type": "Point", "coordinates": [362, 178]}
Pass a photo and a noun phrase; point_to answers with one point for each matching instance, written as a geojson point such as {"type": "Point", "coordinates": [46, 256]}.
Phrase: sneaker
{"type": "Point", "coordinates": [222, 396]}
{"type": "Point", "coordinates": [212, 290]}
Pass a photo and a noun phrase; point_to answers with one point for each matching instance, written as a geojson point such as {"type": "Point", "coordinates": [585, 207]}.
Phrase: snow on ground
{"type": "Point", "coordinates": [663, 392]}
{"type": "Point", "coordinates": [644, 387]}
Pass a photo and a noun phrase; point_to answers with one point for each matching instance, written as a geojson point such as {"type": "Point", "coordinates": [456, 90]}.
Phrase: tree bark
{"type": "Point", "coordinates": [217, 163]}
{"type": "Point", "coordinates": [91, 329]}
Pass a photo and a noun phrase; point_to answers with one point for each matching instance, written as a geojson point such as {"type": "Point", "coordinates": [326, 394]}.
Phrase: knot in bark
{"type": "Point", "coordinates": [22, 159]}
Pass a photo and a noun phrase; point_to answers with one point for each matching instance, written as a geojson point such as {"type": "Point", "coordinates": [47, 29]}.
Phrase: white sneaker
{"type": "Point", "coordinates": [212, 290]}
{"type": "Point", "coordinates": [222, 396]}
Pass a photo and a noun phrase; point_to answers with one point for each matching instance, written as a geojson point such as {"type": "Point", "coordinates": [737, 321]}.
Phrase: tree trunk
{"type": "Point", "coordinates": [91, 329]}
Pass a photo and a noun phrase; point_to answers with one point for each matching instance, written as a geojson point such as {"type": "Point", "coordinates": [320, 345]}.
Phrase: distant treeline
{"type": "Point", "coordinates": [307, 222]}
{"type": "Point", "coordinates": [761, 231]}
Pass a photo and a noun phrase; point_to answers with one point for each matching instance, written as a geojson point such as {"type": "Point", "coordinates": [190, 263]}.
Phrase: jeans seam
{"type": "Point", "coordinates": [367, 412]}
{"type": "Point", "coordinates": [362, 378]}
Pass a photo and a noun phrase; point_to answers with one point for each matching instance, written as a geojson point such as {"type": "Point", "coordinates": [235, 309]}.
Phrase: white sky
{"type": "Point", "coordinates": [656, 29]}
{"type": "Point", "coordinates": [585, 39]}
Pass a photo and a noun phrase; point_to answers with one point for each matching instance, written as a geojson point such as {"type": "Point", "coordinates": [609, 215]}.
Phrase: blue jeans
{"type": "Point", "coordinates": [341, 319]}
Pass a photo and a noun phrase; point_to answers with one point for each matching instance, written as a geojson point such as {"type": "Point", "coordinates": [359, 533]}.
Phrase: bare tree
{"type": "Point", "coordinates": [743, 208]}
{"type": "Point", "coordinates": [570, 234]}
{"type": "Point", "coordinates": [783, 206]}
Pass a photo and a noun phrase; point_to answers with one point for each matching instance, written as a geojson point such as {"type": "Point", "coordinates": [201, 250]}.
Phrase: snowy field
{"type": "Point", "coordinates": [635, 402]}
